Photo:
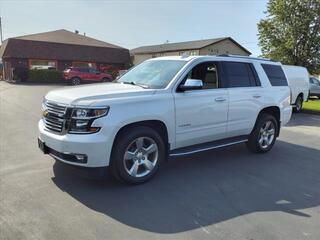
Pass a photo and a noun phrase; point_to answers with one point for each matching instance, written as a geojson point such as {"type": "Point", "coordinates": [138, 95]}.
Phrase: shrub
{"type": "Point", "coordinates": [20, 74]}
{"type": "Point", "coordinates": [44, 75]}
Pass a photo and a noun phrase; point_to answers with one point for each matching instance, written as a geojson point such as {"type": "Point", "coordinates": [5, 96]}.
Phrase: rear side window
{"type": "Point", "coordinates": [241, 74]}
{"type": "Point", "coordinates": [275, 74]}
{"type": "Point", "coordinates": [84, 70]}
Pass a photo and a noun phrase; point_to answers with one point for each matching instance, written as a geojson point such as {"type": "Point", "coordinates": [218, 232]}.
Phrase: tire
{"type": "Point", "coordinates": [298, 104]}
{"type": "Point", "coordinates": [137, 155]}
{"type": "Point", "coordinates": [106, 80]}
{"type": "Point", "coordinates": [264, 134]}
{"type": "Point", "coordinates": [75, 81]}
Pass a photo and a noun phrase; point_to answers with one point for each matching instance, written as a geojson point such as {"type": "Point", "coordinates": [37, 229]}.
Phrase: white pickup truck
{"type": "Point", "coordinates": [168, 106]}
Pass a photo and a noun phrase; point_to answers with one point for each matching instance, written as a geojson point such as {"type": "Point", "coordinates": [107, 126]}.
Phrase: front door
{"type": "Point", "coordinates": [201, 115]}
{"type": "Point", "coordinates": [94, 74]}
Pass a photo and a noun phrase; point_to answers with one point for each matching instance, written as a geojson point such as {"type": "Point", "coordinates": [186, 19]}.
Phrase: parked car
{"type": "Point", "coordinates": [314, 87]}
{"type": "Point", "coordinates": [298, 80]}
{"type": "Point", "coordinates": [168, 106]}
{"type": "Point", "coordinates": [77, 75]}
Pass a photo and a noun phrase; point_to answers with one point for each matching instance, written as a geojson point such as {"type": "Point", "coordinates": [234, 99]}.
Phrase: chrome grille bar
{"type": "Point", "coordinates": [54, 116]}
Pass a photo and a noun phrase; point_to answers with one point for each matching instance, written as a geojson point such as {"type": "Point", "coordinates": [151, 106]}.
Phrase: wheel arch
{"type": "Point", "coordinates": [274, 111]}
{"type": "Point", "coordinates": [76, 77]}
{"type": "Point", "coordinates": [300, 95]}
{"type": "Point", "coordinates": [156, 125]}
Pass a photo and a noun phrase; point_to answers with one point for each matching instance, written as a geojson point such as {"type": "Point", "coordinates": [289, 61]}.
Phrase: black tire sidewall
{"type": "Point", "coordinates": [298, 100]}
{"type": "Point", "coordinates": [120, 146]}
{"type": "Point", "coordinates": [253, 141]}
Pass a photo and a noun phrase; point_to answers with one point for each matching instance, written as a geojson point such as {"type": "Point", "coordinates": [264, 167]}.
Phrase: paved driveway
{"type": "Point", "coordinates": [228, 193]}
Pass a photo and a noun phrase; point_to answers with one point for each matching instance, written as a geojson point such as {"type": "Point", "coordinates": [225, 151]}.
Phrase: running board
{"type": "Point", "coordinates": [208, 146]}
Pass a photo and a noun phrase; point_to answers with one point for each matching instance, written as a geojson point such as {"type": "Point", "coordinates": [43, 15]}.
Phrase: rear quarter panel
{"type": "Point", "coordinates": [278, 96]}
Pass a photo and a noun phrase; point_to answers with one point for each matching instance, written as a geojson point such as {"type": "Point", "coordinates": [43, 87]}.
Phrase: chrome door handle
{"type": "Point", "coordinates": [220, 99]}
{"type": "Point", "coordinates": [256, 96]}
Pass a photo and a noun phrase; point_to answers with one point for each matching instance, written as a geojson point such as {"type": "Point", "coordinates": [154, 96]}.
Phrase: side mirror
{"type": "Point", "coordinates": [191, 84]}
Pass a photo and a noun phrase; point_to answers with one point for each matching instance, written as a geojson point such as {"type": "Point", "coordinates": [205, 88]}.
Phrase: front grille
{"type": "Point", "coordinates": [54, 116]}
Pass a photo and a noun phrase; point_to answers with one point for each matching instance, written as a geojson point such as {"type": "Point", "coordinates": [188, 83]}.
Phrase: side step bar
{"type": "Point", "coordinates": [208, 146]}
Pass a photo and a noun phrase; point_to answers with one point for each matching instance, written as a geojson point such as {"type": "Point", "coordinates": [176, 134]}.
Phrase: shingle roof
{"type": "Point", "coordinates": [66, 37]}
{"type": "Point", "coordinates": [28, 49]}
{"type": "Point", "coordinates": [167, 47]}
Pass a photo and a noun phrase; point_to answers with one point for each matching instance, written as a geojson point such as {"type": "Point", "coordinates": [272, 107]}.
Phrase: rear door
{"type": "Point", "coordinates": [245, 97]}
{"type": "Point", "coordinates": [201, 115]}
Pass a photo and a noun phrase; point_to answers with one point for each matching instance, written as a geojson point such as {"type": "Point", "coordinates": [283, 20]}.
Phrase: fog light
{"type": "Point", "coordinates": [81, 158]}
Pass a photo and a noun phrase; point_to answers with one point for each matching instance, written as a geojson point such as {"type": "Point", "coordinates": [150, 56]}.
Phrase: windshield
{"type": "Point", "coordinates": [153, 74]}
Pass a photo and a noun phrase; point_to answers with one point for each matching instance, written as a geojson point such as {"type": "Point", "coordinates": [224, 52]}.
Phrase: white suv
{"type": "Point", "coordinates": [169, 106]}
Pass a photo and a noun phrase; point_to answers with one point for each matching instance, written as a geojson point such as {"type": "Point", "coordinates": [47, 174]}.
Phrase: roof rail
{"type": "Point", "coordinates": [245, 57]}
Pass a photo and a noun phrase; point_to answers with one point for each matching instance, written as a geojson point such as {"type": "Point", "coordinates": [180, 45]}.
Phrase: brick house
{"type": "Point", "coordinates": [58, 50]}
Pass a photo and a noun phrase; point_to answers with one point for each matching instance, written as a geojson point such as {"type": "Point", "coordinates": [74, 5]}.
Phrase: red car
{"type": "Point", "coordinates": [77, 75]}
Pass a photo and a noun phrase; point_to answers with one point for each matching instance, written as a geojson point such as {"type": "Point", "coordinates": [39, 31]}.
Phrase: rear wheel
{"type": "Point", "coordinates": [106, 80]}
{"type": "Point", "coordinates": [137, 155]}
{"type": "Point", "coordinates": [75, 81]}
{"type": "Point", "coordinates": [264, 134]}
{"type": "Point", "coordinates": [298, 104]}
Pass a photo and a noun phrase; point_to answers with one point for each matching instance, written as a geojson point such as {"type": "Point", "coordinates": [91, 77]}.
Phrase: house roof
{"type": "Point", "coordinates": [169, 47]}
{"type": "Point", "coordinates": [66, 37]}
{"type": "Point", "coordinates": [63, 45]}
{"type": "Point", "coordinates": [3, 47]}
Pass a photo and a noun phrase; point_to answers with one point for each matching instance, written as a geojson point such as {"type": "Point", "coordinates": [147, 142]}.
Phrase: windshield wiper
{"type": "Point", "coordinates": [136, 84]}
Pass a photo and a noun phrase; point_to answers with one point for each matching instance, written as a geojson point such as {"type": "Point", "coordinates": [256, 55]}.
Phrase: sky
{"type": "Point", "coordinates": [132, 24]}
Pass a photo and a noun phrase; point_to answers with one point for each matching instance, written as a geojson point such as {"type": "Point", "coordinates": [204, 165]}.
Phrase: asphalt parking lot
{"type": "Point", "coordinates": [227, 193]}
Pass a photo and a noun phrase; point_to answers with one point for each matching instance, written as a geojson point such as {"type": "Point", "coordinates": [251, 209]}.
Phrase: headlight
{"type": "Point", "coordinates": [85, 113]}
{"type": "Point", "coordinates": [82, 119]}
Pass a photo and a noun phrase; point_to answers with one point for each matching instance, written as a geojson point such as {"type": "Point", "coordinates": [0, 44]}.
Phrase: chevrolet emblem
{"type": "Point", "coordinates": [45, 113]}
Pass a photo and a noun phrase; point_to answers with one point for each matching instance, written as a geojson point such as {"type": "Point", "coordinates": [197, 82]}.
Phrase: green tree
{"type": "Point", "coordinates": [291, 33]}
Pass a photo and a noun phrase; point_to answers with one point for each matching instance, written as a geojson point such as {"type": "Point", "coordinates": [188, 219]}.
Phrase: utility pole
{"type": "Point", "coordinates": [0, 30]}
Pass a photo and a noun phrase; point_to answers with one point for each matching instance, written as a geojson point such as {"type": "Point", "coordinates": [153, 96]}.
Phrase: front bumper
{"type": "Point", "coordinates": [93, 147]}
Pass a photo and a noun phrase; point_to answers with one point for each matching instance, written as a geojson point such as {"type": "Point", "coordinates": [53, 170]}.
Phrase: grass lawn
{"type": "Point", "coordinates": [312, 105]}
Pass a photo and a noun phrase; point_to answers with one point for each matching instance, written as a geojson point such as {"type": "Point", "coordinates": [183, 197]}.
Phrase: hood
{"type": "Point", "coordinates": [88, 95]}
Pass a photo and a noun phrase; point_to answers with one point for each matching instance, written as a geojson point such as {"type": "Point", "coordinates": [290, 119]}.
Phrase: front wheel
{"type": "Point", "coordinates": [264, 134]}
{"type": "Point", "coordinates": [137, 155]}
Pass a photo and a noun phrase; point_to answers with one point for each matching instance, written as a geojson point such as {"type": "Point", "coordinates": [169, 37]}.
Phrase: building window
{"type": "Point", "coordinates": [84, 64]}
{"type": "Point", "coordinates": [42, 64]}
{"type": "Point", "coordinates": [193, 53]}
{"type": "Point", "coordinates": [188, 53]}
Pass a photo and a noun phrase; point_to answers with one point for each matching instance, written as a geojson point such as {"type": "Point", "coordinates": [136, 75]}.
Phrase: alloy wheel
{"type": "Point", "coordinates": [141, 156]}
{"type": "Point", "coordinates": [267, 133]}
{"type": "Point", "coordinates": [75, 81]}
{"type": "Point", "coordinates": [299, 104]}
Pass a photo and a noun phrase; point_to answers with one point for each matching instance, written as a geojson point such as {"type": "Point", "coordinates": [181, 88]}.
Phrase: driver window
{"type": "Point", "coordinates": [207, 72]}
